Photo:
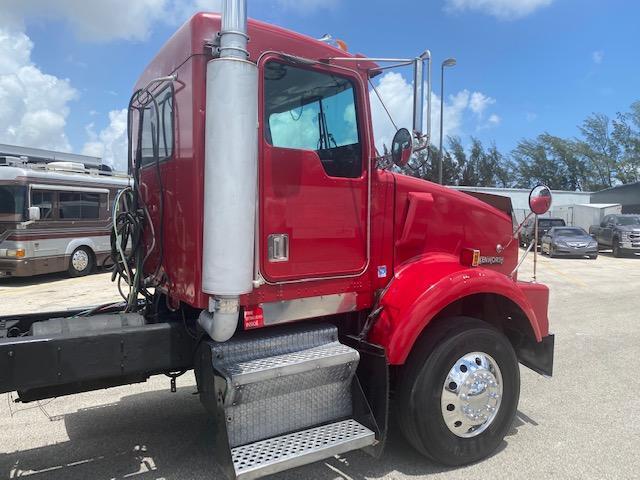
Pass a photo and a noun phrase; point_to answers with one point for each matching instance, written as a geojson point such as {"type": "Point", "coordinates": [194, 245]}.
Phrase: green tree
{"type": "Point", "coordinates": [626, 133]}
{"type": "Point", "coordinates": [535, 166]}
{"type": "Point", "coordinates": [564, 151]}
{"type": "Point", "coordinates": [599, 150]}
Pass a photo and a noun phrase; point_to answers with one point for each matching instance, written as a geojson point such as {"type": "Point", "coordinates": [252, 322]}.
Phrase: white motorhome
{"type": "Point", "coordinates": [55, 213]}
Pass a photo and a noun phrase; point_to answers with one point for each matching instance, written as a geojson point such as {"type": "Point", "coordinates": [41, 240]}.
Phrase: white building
{"type": "Point", "coordinates": [520, 197]}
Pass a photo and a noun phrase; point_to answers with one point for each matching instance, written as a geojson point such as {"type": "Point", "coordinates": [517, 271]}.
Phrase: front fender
{"type": "Point", "coordinates": [422, 288]}
{"type": "Point", "coordinates": [80, 242]}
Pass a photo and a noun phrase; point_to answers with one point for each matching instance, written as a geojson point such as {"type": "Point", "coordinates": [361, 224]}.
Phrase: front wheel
{"type": "Point", "coordinates": [617, 251]}
{"type": "Point", "coordinates": [81, 262]}
{"type": "Point", "coordinates": [459, 392]}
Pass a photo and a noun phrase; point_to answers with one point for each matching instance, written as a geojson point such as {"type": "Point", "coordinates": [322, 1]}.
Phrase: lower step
{"type": "Point", "coordinates": [276, 454]}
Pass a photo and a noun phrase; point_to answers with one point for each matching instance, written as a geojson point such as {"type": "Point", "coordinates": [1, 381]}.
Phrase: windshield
{"type": "Point", "coordinates": [628, 221]}
{"type": "Point", "coordinates": [569, 232]}
{"type": "Point", "coordinates": [550, 223]}
{"type": "Point", "coordinates": [12, 203]}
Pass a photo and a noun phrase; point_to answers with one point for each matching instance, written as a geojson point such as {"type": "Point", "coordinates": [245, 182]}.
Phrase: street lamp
{"type": "Point", "coordinates": [449, 62]}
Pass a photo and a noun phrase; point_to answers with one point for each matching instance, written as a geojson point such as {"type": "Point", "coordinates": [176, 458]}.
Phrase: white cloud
{"type": "Point", "coordinates": [397, 95]}
{"type": "Point", "coordinates": [308, 6]}
{"type": "Point", "coordinates": [597, 56]}
{"type": "Point", "coordinates": [479, 102]}
{"type": "Point", "coordinates": [494, 119]}
{"type": "Point", "coordinates": [33, 105]}
{"type": "Point", "coordinates": [105, 20]}
{"type": "Point", "coordinates": [503, 9]}
{"type": "Point", "coordinates": [94, 20]}
{"type": "Point", "coordinates": [111, 143]}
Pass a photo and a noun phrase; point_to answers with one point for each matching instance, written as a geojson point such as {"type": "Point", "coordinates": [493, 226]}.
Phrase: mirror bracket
{"type": "Point", "coordinates": [540, 199]}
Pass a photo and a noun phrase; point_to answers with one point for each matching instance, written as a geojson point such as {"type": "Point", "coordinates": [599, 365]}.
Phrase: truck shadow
{"type": "Point", "coordinates": [16, 282]}
{"type": "Point", "coordinates": [609, 253]}
{"type": "Point", "coordinates": [162, 435]}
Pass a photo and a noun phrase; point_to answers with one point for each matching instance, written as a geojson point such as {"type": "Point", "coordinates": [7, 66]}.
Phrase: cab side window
{"type": "Point", "coordinates": [157, 128]}
{"type": "Point", "coordinates": [310, 110]}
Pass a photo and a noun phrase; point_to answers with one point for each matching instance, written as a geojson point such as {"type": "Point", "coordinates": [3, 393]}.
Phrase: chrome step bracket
{"type": "Point", "coordinates": [292, 450]}
{"type": "Point", "coordinates": [269, 368]}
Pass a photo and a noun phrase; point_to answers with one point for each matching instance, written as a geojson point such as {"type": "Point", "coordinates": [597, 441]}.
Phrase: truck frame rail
{"type": "Point", "coordinates": [45, 366]}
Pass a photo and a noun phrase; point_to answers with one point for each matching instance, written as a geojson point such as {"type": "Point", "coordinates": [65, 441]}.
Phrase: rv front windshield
{"type": "Point", "coordinates": [12, 203]}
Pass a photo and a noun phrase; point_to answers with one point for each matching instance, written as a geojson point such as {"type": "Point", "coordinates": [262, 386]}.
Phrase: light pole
{"type": "Point", "coordinates": [449, 62]}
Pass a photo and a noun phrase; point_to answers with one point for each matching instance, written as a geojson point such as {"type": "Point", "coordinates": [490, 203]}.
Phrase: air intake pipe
{"type": "Point", "coordinates": [418, 95]}
{"type": "Point", "coordinates": [230, 174]}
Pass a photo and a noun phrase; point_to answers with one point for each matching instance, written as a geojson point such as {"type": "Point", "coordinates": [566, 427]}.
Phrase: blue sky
{"type": "Point", "coordinates": [524, 66]}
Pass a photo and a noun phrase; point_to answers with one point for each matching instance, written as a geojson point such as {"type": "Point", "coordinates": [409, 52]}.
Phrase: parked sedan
{"type": "Point", "coordinates": [569, 242]}
{"type": "Point", "coordinates": [544, 225]}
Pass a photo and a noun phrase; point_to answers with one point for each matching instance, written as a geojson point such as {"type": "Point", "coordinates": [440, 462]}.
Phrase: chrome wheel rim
{"type": "Point", "coordinates": [471, 394]}
{"type": "Point", "coordinates": [80, 260]}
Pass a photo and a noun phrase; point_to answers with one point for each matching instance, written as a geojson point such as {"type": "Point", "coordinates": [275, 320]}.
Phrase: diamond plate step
{"type": "Point", "coordinates": [268, 368]}
{"type": "Point", "coordinates": [276, 454]}
{"type": "Point", "coordinates": [284, 380]}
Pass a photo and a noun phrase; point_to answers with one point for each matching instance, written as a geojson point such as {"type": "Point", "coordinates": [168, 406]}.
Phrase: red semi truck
{"type": "Point", "coordinates": [265, 245]}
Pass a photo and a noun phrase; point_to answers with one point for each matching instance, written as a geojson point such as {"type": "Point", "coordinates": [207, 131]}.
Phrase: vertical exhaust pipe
{"type": "Point", "coordinates": [230, 175]}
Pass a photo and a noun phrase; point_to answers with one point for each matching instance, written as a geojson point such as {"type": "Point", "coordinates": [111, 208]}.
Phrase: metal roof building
{"type": "Point", "coordinates": [520, 197]}
{"type": "Point", "coordinates": [626, 195]}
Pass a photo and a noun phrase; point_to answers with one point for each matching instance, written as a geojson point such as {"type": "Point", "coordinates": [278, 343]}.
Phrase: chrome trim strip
{"type": "Point", "coordinates": [68, 188]}
{"type": "Point", "coordinates": [308, 307]}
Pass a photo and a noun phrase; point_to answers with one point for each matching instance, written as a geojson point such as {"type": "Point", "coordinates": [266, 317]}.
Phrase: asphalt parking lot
{"type": "Point", "coordinates": [55, 291]}
{"type": "Point", "coordinates": [582, 423]}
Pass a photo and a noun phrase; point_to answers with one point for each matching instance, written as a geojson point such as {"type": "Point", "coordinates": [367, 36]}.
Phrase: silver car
{"type": "Point", "coordinates": [569, 242]}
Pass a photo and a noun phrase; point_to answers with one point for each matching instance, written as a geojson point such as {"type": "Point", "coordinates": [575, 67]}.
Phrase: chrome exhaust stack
{"type": "Point", "coordinates": [231, 166]}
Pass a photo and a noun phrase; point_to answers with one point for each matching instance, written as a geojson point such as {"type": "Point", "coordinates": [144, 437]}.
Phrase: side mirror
{"type": "Point", "coordinates": [401, 147]}
{"type": "Point", "coordinates": [34, 213]}
{"type": "Point", "coordinates": [540, 199]}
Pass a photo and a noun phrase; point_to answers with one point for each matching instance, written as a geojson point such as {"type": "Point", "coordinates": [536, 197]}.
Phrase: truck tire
{"type": "Point", "coordinates": [81, 262]}
{"type": "Point", "coordinates": [458, 392]}
{"type": "Point", "coordinates": [617, 251]}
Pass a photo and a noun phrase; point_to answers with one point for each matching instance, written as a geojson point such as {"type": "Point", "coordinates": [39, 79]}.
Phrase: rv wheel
{"type": "Point", "coordinates": [459, 391]}
{"type": "Point", "coordinates": [81, 262]}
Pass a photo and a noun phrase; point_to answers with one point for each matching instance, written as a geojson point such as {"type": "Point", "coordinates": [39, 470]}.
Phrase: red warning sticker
{"type": "Point", "coordinates": [253, 317]}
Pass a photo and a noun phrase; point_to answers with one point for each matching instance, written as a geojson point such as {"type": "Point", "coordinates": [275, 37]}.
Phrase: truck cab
{"type": "Point", "coordinates": [310, 279]}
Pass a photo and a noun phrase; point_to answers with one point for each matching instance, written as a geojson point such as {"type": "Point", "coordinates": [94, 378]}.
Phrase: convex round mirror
{"type": "Point", "coordinates": [540, 199]}
{"type": "Point", "coordinates": [401, 147]}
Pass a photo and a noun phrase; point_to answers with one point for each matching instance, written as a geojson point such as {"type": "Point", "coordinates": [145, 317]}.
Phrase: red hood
{"type": "Point", "coordinates": [432, 218]}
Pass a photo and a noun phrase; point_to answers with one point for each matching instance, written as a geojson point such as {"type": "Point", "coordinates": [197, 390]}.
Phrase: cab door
{"type": "Point", "coordinates": [607, 230]}
{"type": "Point", "coordinates": [313, 178]}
